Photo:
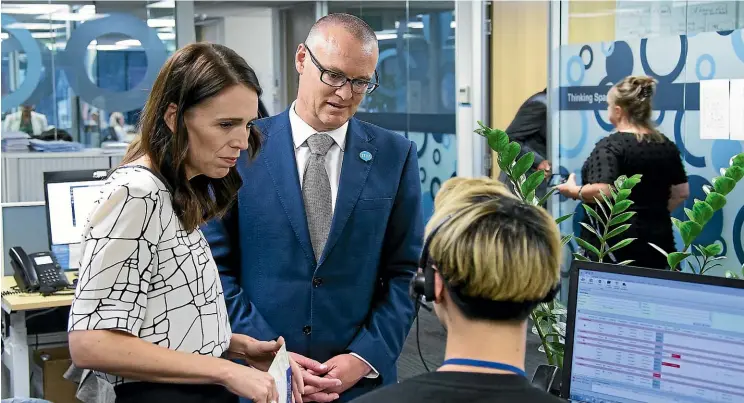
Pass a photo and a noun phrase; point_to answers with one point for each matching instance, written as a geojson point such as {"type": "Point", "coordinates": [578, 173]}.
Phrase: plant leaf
{"type": "Point", "coordinates": [590, 229]}
{"type": "Point", "coordinates": [566, 239]}
{"type": "Point", "coordinates": [602, 209]}
{"type": "Point", "coordinates": [523, 165]}
{"type": "Point", "coordinates": [663, 252]}
{"type": "Point", "coordinates": [735, 172]}
{"type": "Point", "coordinates": [713, 249]}
{"type": "Point", "coordinates": [579, 256]}
{"type": "Point", "coordinates": [674, 258]}
{"type": "Point", "coordinates": [563, 218]}
{"type": "Point", "coordinates": [689, 231]}
{"type": "Point", "coordinates": [626, 262]}
{"type": "Point", "coordinates": [625, 242]}
{"type": "Point", "coordinates": [621, 206]}
{"type": "Point", "coordinates": [702, 212]}
{"type": "Point", "coordinates": [508, 155]}
{"type": "Point", "coordinates": [631, 182]}
{"type": "Point", "coordinates": [738, 160]}
{"type": "Point", "coordinates": [677, 223]}
{"type": "Point", "coordinates": [622, 194]}
{"type": "Point", "coordinates": [730, 274]}
{"type": "Point", "coordinates": [533, 181]}
{"type": "Point", "coordinates": [497, 139]}
{"type": "Point", "coordinates": [621, 218]}
{"type": "Point", "coordinates": [547, 196]}
{"type": "Point", "coordinates": [723, 185]}
{"type": "Point", "coordinates": [617, 231]}
{"type": "Point", "coordinates": [715, 200]}
{"type": "Point", "coordinates": [593, 213]}
{"type": "Point", "coordinates": [587, 246]}
{"type": "Point", "coordinates": [690, 214]}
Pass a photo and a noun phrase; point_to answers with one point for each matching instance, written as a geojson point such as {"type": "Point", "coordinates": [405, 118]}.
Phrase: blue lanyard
{"type": "Point", "coordinates": [484, 364]}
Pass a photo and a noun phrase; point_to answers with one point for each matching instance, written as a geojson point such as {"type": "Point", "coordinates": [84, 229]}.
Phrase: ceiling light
{"type": "Point", "coordinates": [167, 36]}
{"type": "Point", "coordinates": [70, 17]}
{"type": "Point", "coordinates": [34, 26]}
{"type": "Point", "coordinates": [416, 24]}
{"type": "Point", "coordinates": [162, 4]}
{"type": "Point", "coordinates": [161, 23]}
{"type": "Point", "coordinates": [129, 43]}
{"type": "Point", "coordinates": [30, 9]}
{"type": "Point", "coordinates": [46, 35]}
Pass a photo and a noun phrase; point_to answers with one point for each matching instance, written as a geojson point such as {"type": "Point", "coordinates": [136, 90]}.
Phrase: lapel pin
{"type": "Point", "coordinates": [366, 156]}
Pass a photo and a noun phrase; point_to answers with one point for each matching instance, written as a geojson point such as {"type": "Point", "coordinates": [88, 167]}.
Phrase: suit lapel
{"type": "Point", "coordinates": [279, 158]}
{"type": "Point", "coordinates": [354, 172]}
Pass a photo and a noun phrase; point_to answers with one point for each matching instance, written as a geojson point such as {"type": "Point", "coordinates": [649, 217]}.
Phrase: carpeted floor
{"type": "Point", "coordinates": [432, 342]}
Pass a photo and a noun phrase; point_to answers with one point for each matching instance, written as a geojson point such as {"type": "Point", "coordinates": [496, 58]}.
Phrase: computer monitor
{"type": "Point", "coordinates": [70, 196]}
{"type": "Point", "coordinates": [644, 335]}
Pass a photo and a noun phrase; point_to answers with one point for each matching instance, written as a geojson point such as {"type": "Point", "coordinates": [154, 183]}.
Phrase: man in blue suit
{"type": "Point", "coordinates": [327, 229]}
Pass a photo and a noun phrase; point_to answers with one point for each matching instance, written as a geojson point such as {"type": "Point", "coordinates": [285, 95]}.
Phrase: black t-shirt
{"type": "Point", "coordinates": [453, 387]}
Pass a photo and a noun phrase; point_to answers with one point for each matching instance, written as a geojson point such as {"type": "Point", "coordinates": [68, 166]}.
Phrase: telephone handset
{"type": "Point", "coordinates": [37, 271]}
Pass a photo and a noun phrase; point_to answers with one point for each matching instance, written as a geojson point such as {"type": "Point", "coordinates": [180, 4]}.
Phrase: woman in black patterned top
{"type": "Point", "coordinates": [149, 313]}
{"type": "Point", "coordinates": [636, 147]}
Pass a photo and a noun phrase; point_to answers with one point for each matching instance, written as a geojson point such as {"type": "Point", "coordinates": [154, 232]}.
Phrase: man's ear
{"type": "Point", "coordinates": [170, 117]}
{"type": "Point", "coordinates": [300, 57]}
{"type": "Point", "coordinates": [439, 287]}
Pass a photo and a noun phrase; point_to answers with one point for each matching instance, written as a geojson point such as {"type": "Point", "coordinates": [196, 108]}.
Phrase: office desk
{"type": "Point", "coordinates": [15, 350]}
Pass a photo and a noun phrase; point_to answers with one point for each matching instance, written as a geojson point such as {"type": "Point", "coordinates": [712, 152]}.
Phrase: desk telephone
{"type": "Point", "coordinates": [37, 271]}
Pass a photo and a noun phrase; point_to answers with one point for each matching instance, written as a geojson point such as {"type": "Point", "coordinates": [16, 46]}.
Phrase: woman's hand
{"type": "Point", "coordinates": [569, 188]}
{"type": "Point", "coordinates": [251, 383]}
{"type": "Point", "coordinates": [259, 354]}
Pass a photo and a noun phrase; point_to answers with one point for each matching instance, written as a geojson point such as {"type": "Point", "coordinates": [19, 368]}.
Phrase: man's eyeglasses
{"type": "Point", "coordinates": [338, 80]}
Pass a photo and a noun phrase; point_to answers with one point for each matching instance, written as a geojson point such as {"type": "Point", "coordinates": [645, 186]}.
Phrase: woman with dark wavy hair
{"type": "Point", "coordinates": [149, 314]}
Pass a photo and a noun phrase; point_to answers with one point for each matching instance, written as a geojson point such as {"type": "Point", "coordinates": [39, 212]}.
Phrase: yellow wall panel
{"type": "Point", "coordinates": [519, 58]}
{"type": "Point", "coordinates": [591, 21]}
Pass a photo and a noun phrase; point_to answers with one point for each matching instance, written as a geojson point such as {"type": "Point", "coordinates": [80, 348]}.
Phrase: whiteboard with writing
{"type": "Point", "coordinates": [645, 19]}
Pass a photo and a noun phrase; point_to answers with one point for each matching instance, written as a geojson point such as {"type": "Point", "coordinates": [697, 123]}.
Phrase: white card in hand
{"type": "Point", "coordinates": [282, 373]}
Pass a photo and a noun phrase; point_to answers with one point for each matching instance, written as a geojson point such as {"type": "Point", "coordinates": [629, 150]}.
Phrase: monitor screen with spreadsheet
{"type": "Point", "coordinates": [70, 196]}
{"type": "Point", "coordinates": [643, 335]}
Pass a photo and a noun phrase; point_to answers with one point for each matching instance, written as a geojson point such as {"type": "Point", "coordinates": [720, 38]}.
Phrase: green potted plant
{"type": "Point", "coordinates": [702, 211]}
{"type": "Point", "coordinates": [549, 318]}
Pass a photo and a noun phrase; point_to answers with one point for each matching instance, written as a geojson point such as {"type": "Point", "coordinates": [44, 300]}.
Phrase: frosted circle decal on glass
{"type": "Point", "coordinates": [705, 63]}
{"type": "Point", "coordinates": [33, 66]}
{"type": "Point", "coordinates": [75, 54]}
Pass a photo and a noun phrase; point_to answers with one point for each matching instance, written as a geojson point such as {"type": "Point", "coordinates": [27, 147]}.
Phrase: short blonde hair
{"type": "Point", "coordinates": [494, 246]}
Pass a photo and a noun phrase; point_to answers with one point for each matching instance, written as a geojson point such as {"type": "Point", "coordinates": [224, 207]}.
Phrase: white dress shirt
{"type": "Point", "coordinates": [333, 160]}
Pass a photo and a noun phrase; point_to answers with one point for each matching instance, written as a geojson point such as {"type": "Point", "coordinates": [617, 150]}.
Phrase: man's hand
{"type": "Point", "coordinates": [346, 368]}
{"type": "Point", "coordinates": [258, 354]}
{"type": "Point", "coordinates": [316, 387]}
{"type": "Point", "coordinates": [544, 166]}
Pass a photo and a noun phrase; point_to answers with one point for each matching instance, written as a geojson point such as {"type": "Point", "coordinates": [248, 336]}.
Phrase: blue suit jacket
{"type": "Point", "coordinates": [355, 298]}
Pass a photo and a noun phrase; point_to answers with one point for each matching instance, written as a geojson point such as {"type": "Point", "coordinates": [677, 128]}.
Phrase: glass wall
{"type": "Point", "coordinates": [678, 43]}
{"type": "Point", "coordinates": [80, 71]}
{"type": "Point", "coordinates": [416, 97]}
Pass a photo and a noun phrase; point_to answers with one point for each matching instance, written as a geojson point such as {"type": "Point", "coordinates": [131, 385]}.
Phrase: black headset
{"type": "Point", "coordinates": [421, 288]}
{"type": "Point", "coordinates": [422, 284]}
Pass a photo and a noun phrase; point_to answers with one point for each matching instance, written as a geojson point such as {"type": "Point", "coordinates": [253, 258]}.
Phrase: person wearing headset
{"type": "Point", "coordinates": [487, 261]}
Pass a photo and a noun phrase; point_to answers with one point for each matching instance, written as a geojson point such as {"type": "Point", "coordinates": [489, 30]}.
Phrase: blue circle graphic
{"type": "Point", "coordinates": [587, 48]}
{"type": "Point", "coordinates": [620, 63]}
{"type": "Point", "coordinates": [697, 162]}
{"type": "Point", "coordinates": [738, 43]}
{"type": "Point", "coordinates": [575, 151]}
{"type": "Point", "coordinates": [721, 153]}
{"type": "Point", "coordinates": [33, 66]}
{"type": "Point", "coordinates": [608, 127]}
{"type": "Point", "coordinates": [609, 50]}
{"type": "Point", "coordinates": [712, 63]}
{"type": "Point", "coordinates": [669, 78]}
{"type": "Point", "coordinates": [736, 236]}
{"type": "Point", "coordinates": [74, 56]}
{"type": "Point", "coordinates": [578, 61]}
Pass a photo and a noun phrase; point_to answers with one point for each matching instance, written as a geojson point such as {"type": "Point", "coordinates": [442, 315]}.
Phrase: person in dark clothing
{"type": "Point", "coordinates": [635, 148]}
{"type": "Point", "coordinates": [529, 128]}
{"type": "Point", "coordinates": [488, 260]}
